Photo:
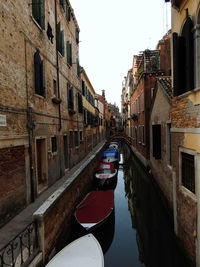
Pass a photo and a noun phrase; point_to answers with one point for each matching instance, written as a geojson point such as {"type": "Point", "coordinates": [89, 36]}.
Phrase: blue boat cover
{"type": "Point", "coordinates": [110, 153]}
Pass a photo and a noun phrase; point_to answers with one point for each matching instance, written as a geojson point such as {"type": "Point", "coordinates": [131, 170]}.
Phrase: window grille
{"type": "Point", "coordinates": [188, 174]}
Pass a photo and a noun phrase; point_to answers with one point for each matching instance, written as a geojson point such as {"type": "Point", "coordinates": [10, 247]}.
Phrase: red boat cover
{"type": "Point", "coordinates": [95, 207]}
{"type": "Point", "coordinates": [106, 165]}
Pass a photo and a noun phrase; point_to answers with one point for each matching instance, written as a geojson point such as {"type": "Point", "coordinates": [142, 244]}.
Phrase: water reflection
{"type": "Point", "coordinates": [138, 232]}
{"type": "Point", "coordinates": [154, 230]}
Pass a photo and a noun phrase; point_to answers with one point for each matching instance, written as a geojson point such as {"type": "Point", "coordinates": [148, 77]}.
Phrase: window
{"type": "Point", "coordinates": [53, 144]}
{"type": "Point", "coordinates": [77, 68]}
{"type": "Point", "coordinates": [62, 4]}
{"type": "Point", "coordinates": [83, 88]}
{"type": "Point", "coordinates": [69, 53]}
{"type": "Point", "coordinates": [139, 134]}
{"type": "Point", "coordinates": [80, 103]}
{"type": "Point", "coordinates": [68, 12]}
{"type": "Point", "coordinates": [70, 96]}
{"type": "Point", "coordinates": [77, 35]}
{"type": "Point", "coordinates": [39, 74]}
{"type": "Point", "coordinates": [38, 12]}
{"type": "Point", "coordinates": [59, 39]}
{"type": "Point", "coordinates": [183, 58]}
{"type": "Point", "coordinates": [138, 104]}
{"type": "Point", "coordinates": [156, 141]}
{"type": "Point", "coordinates": [168, 145]}
{"type": "Point", "coordinates": [76, 138]}
{"type": "Point", "coordinates": [187, 169]}
{"type": "Point", "coordinates": [152, 92]}
{"type": "Point", "coordinates": [71, 143]}
{"type": "Point", "coordinates": [85, 117]}
{"type": "Point", "coordinates": [142, 101]}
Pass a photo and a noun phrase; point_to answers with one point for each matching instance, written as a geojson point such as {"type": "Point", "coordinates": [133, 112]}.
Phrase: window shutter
{"type": "Point", "coordinates": [58, 36]}
{"type": "Point", "coordinates": [37, 62]}
{"type": "Point", "coordinates": [189, 55]}
{"type": "Point", "coordinates": [36, 10]}
{"type": "Point", "coordinates": [70, 49]}
{"type": "Point", "coordinates": [42, 72]}
{"type": "Point", "coordinates": [83, 88]}
{"type": "Point", "coordinates": [42, 14]}
{"type": "Point", "coordinates": [68, 13]}
{"type": "Point", "coordinates": [72, 97]}
{"type": "Point", "coordinates": [77, 36]}
{"type": "Point", "coordinates": [156, 132]}
{"type": "Point", "coordinates": [62, 43]}
{"type": "Point", "coordinates": [68, 94]}
{"type": "Point", "coordinates": [68, 52]}
{"type": "Point", "coordinates": [176, 71]}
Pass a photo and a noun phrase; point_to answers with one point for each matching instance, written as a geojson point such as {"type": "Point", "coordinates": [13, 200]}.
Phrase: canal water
{"type": "Point", "coordinates": [139, 231]}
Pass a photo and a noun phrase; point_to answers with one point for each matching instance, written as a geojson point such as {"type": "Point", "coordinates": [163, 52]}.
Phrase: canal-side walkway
{"type": "Point", "coordinates": [19, 222]}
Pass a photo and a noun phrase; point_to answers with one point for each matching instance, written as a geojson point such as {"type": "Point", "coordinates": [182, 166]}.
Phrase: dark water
{"type": "Point", "coordinates": [139, 231]}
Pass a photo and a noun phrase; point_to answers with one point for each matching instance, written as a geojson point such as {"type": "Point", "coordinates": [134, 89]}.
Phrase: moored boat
{"type": "Point", "coordinates": [82, 252]}
{"type": "Point", "coordinates": [111, 156]}
{"type": "Point", "coordinates": [106, 174]}
{"type": "Point", "coordinates": [95, 208]}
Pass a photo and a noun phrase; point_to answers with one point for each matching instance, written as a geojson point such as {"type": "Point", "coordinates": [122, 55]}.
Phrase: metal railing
{"type": "Point", "coordinates": [21, 249]}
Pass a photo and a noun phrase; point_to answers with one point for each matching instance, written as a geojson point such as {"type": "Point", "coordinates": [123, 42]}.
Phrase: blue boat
{"type": "Point", "coordinates": [111, 156]}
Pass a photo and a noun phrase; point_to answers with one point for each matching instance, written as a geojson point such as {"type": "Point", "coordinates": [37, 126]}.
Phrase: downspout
{"type": "Point", "coordinates": [57, 68]}
{"type": "Point", "coordinates": [29, 125]}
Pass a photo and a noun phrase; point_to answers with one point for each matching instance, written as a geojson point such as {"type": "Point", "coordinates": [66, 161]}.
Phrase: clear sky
{"type": "Point", "coordinates": [111, 33]}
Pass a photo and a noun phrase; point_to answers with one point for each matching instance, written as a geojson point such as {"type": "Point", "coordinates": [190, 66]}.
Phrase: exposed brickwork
{"type": "Point", "coordinates": [13, 182]}
{"type": "Point", "coordinates": [185, 114]}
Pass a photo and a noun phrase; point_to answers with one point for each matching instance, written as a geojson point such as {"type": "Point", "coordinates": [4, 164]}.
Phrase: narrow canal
{"type": "Point", "coordinates": [139, 232]}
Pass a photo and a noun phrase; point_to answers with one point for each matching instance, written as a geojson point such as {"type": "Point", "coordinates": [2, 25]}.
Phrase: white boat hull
{"type": "Point", "coordinates": [83, 252]}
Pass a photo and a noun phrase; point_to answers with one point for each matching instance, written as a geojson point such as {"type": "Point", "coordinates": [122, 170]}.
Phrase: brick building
{"type": "Point", "coordinates": [185, 123]}
{"type": "Point", "coordinates": [160, 137]}
{"type": "Point", "coordinates": [41, 106]}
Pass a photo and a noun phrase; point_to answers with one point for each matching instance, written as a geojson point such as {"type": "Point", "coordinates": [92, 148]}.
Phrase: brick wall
{"type": "Point", "coordinates": [13, 182]}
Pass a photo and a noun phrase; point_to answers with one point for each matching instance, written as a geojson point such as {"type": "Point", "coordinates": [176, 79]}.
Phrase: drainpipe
{"type": "Point", "coordinates": [29, 125]}
{"type": "Point", "coordinates": [57, 68]}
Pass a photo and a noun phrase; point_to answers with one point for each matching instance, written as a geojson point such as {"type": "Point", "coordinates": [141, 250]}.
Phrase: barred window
{"type": "Point", "coordinates": [188, 174]}
{"type": "Point", "coordinates": [53, 144]}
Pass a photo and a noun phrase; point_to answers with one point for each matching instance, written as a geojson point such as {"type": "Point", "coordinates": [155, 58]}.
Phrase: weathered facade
{"type": "Point", "coordinates": [185, 133]}
{"type": "Point", "coordinates": [41, 114]}
{"type": "Point", "coordinates": [160, 137]}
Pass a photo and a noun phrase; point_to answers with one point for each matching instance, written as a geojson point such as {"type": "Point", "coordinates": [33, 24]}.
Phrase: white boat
{"type": "Point", "coordinates": [82, 252]}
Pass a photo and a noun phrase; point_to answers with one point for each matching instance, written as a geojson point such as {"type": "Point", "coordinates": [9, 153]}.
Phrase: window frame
{"type": "Point", "coordinates": [52, 145]}
{"type": "Point", "coordinates": [183, 188]}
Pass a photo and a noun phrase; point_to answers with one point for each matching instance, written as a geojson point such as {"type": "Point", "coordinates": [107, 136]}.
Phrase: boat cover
{"type": "Point", "coordinates": [110, 153]}
{"type": "Point", "coordinates": [95, 207]}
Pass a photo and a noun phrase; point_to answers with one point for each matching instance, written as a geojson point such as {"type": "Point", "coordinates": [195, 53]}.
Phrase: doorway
{"type": "Point", "coordinates": [41, 165]}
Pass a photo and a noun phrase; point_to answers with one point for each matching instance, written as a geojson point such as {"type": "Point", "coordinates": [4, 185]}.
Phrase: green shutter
{"type": "Point", "coordinates": [62, 43]}
{"type": "Point", "coordinates": [42, 79]}
{"type": "Point", "coordinates": [68, 13]}
{"type": "Point", "coordinates": [58, 36]}
{"type": "Point", "coordinates": [36, 10]}
{"type": "Point", "coordinates": [70, 45]}
{"type": "Point", "coordinates": [42, 14]}
{"type": "Point", "coordinates": [68, 52]}
{"type": "Point", "coordinates": [37, 62]}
